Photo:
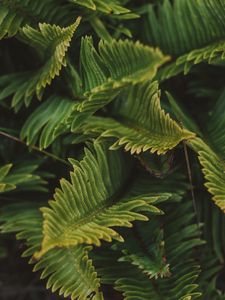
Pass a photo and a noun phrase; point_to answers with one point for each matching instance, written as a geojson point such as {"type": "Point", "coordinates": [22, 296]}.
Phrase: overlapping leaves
{"type": "Point", "coordinates": [115, 65]}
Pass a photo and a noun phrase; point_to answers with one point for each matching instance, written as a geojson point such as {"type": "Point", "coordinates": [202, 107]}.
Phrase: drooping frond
{"type": "Point", "coordinates": [184, 25]}
{"type": "Point", "coordinates": [143, 125]}
{"type": "Point", "coordinates": [213, 168]}
{"type": "Point", "coordinates": [115, 65]}
{"type": "Point", "coordinates": [85, 210]}
{"type": "Point", "coordinates": [45, 122]}
{"type": "Point", "coordinates": [68, 271]}
{"type": "Point", "coordinates": [23, 176]}
{"type": "Point", "coordinates": [52, 43]}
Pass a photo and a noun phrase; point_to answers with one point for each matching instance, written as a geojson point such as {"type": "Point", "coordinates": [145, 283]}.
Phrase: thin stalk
{"type": "Point", "coordinates": [9, 136]}
{"type": "Point", "coordinates": [190, 180]}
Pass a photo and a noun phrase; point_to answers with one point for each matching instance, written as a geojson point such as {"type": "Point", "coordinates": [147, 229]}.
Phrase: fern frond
{"type": "Point", "coordinates": [106, 7]}
{"type": "Point", "coordinates": [216, 123]}
{"type": "Point", "coordinates": [213, 231]}
{"type": "Point", "coordinates": [213, 169]}
{"type": "Point", "coordinates": [52, 42]}
{"type": "Point", "coordinates": [115, 65]}
{"type": "Point", "coordinates": [4, 186]}
{"type": "Point", "coordinates": [23, 176]}
{"type": "Point", "coordinates": [68, 271]}
{"type": "Point", "coordinates": [45, 122]}
{"type": "Point", "coordinates": [181, 236]}
{"type": "Point", "coordinates": [146, 251]}
{"type": "Point", "coordinates": [14, 14]}
{"type": "Point", "coordinates": [210, 54]}
{"type": "Point", "coordinates": [209, 277]}
{"type": "Point", "coordinates": [184, 25]}
{"type": "Point", "coordinates": [85, 210]}
{"type": "Point", "coordinates": [143, 125]}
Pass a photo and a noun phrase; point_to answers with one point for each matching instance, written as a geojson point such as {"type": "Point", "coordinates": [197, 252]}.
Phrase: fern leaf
{"type": "Point", "coordinates": [212, 53]}
{"type": "Point", "coordinates": [209, 277]}
{"type": "Point", "coordinates": [52, 42]}
{"type": "Point", "coordinates": [85, 210]}
{"type": "Point", "coordinates": [14, 14]}
{"type": "Point", "coordinates": [106, 7]}
{"type": "Point", "coordinates": [216, 123]}
{"type": "Point", "coordinates": [146, 251]}
{"type": "Point", "coordinates": [44, 125]}
{"type": "Point", "coordinates": [4, 186]}
{"type": "Point", "coordinates": [115, 65]}
{"type": "Point", "coordinates": [23, 176]}
{"type": "Point", "coordinates": [213, 169]}
{"type": "Point", "coordinates": [181, 236]}
{"type": "Point", "coordinates": [68, 271]}
{"type": "Point", "coordinates": [184, 25]}
{"type": "Point", "coordinates": [144, 125]}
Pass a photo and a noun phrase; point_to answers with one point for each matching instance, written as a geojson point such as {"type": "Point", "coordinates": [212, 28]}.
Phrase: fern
{"type": "Point", "coordinates": [43, 124]}
{"type": "Point", "coordinates": [103, 79]}
{"type": "Point", "coordinates": [184, 25]}
{"type": "Point", "coordinates": [209, 54]}
{"type": "Point", "coordinates": [113, 183]}
{"type": "Point", "coordinates": [146, 252]}
{"type": "Point", "coordinates": [52, 42]}
{"type": "Point", "coordinates": [17, 13]}
{"type": "Point", "coordinates": [213, 169]}
{"type": "Point", "coordinates": [107, 7]}
{"type": "Point", "coordinates": [80, 280]}
{"type": "Point", "coordinates": [80, 226]}
{"type": "Point", "coordinates": [22, 176]}
{"type": "Point", "coordinates": [180, 282]}
{"type": "Point", "coordinates": [144, 125]}
{"type": "Point", "coordinates": [216, 125]}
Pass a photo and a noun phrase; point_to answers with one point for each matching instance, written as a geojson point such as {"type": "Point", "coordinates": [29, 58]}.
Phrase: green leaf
{"type": "Point", "coordinates": [213, 169]}
{"type": "Point", "coordinates": [87, 209]}
{"type": "Point", "coordinates": [215, 125]}
{"type": "Point", "coordinates": [181, 237]}
{"type": "Point", "coordinates": [143, 125]}
{"type": "Point", "coordinates": [210, 54]}
{"type": "Point", "coordinates": [146, 250]}
{"type": "Point", "coordinates": [107, 7]}
{"type": "Point", "coordinates": [69, 271]}
{"type": "Point", "coordinates": [14, 14]}
{"type": "Point", "coordinates": [184, 25]}
{"type": "Point", "coordinates": [23, 176]}
{"type": "Point", "coordinates": [116, 65]}
{"type": "Point", "coordinates": [45, 122]}
{"type": "Point", "coordinates": [52, 42]}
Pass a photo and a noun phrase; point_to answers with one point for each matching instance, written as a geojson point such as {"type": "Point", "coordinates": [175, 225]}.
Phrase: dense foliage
{"type": "Point", "coordinates": [112, 149]}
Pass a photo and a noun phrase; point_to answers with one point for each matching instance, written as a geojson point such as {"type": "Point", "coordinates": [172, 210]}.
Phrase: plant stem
{"type": "Point", "coordinates": [9, 136]}
{"type": "Point", "coordinates": [190, 180]}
